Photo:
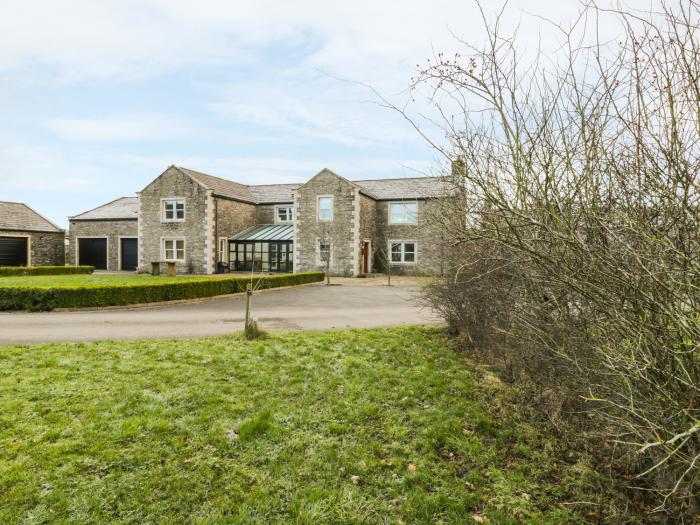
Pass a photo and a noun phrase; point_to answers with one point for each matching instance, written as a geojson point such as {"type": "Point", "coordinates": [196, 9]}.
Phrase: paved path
{"type": "Point", "coordinates": [313, 307]}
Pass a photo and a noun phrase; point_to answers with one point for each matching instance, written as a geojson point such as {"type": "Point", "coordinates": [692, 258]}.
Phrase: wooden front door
{"type": "Point", "coordinates": [365, 256]}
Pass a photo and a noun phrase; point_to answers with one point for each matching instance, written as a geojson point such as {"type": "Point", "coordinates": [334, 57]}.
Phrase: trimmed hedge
{"type": "Point", "coordinates": [20, 271]}
{"type": "Point", "coordinates": [42, 299]}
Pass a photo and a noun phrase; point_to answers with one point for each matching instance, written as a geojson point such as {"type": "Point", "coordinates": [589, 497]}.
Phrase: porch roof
{"type": "Point", "coordinates": [266, 232]}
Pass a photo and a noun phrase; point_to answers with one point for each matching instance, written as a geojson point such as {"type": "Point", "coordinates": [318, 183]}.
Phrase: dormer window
{"type": "Point", "coordinates": [173, 210]}
{"type": "Point", "coordinates": [284, 214]}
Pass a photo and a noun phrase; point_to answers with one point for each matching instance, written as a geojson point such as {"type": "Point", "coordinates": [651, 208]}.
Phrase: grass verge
{"type": "Point", "coordinates": [364, 426]}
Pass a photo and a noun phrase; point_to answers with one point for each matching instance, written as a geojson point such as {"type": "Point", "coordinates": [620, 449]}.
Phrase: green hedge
{"type": "Point", "coordinates": [19, 271]}
{"type": "Point", "coordinates": [38, 299]}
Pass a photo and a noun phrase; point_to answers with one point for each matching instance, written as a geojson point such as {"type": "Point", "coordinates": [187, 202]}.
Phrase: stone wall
{"type": "Point", "coordinates": [340, 231]}
{"type": "Point", "coordinates": [112, 229]}
{"type": "Point", "coordinates": [265, 213]}
{"type": "Point", "coordinates": [368, 227]}
{"type": "Point", "coordinates": [428, 245]}
{"type": "Point", "coordinates": [45, 248]}
{"type": "Point", "coordinates": [231, 217]}
{"type": "Point", "coordinates": [197, 229]}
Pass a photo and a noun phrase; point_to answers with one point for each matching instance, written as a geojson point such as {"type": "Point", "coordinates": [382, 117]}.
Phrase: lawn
{"type": "Point", "coordinates": [78, 281]}
{"type": "Point", "coordinates": [365, 426]}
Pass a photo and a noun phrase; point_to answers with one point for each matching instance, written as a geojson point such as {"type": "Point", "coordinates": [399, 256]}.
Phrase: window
{"type": "Point", "coordinates": [324, 253]}
{"type": "Point", "coordinates": [283, 214]}
{"type": "Point", "coordinates": [402, 212]}
{"type": "Point", "coordinates": [325, 208]}
{"type": "Point", "coordinates": [403, 252]}
{"type": "Point", "coordinates": [174, 249]}
{"type": "Point", "coordinates": [173, 210]}
{"type": "Point", "coordinates": [223, 252]}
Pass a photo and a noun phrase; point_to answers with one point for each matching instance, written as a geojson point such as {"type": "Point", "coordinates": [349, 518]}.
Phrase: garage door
{"type": "Point", "coordinates": [130, 254]}
{"type": "Point", "coordinates": [93, 252]}
{"type": "Point", "coordinates": [13, 251]}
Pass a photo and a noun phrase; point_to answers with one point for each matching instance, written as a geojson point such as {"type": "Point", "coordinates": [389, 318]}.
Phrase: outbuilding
{"type": "Point", "coordinates": [106, 237]}
{"type": "Point", "coordinates": [29, 239]}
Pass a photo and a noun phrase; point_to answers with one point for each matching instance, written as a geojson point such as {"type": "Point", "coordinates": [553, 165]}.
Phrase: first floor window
{"type": "Point", "coordinates": [174, 249]}
{"type": "Point", "coordinates": [403, 252]}
{"type": "Point", "coordinates": [324, 252]}
{"type": "Point", "coordinates": [283, 214]}
{"type": "Point", "coordinates": [402, 212]}
{"type": "Point", "coordinates": [173, 210]}
{"type": "Point", "coordinates": [325, 208]}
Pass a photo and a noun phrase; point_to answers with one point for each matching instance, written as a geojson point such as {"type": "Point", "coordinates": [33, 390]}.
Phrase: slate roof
{"type": "Point", "coordinates": [222, 187]}
{"type": "Point", "coordinates": [409, 188]}
{"type": "Point", "coordinates": [266, 232]}
{"type": "Point", "coordinates": [18, 216]}
{"type": "Point", "coordinates": [273, 193]}
{"type": "Point", "coordinates": [379, 189]}
{"type": "Point", "coordinates": [119, 209]}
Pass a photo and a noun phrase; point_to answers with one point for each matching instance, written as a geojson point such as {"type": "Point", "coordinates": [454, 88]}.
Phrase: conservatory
{"type": "Point", "coordinates": [263, 248]}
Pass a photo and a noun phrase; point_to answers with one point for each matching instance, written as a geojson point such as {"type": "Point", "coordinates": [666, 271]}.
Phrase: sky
{"type": "Point", "coordinates": [99, 97]}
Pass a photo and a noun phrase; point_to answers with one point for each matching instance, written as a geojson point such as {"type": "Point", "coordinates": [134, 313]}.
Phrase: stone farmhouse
{"type": "Point", "coordinates": [207, 224]}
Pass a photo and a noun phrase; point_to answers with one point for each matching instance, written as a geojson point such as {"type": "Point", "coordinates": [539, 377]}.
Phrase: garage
{"type": "Point", "coordinates": [14, 251]}
{"type": "Point", "coordinates": [129, 249]}
{"type": "Point", "coordinates": [93, 252]}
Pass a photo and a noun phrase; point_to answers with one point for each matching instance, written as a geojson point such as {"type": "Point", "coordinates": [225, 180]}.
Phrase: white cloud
{"type": "Point", "coordinates": [118, 127]}
{"type": "Point", "coordinates": [37, 168]}
{"type": "Point", "coordinates": [366, 40]}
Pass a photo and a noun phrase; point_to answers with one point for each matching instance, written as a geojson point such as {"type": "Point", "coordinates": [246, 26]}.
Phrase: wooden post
{"type": "Point", "coordinates": [248, 296]}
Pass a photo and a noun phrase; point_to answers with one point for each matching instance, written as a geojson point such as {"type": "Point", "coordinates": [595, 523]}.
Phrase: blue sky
{"type": "Point", "coordinates": [98, 97]}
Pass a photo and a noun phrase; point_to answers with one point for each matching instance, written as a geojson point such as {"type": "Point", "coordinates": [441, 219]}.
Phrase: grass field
{"type": "Point", "coordinates": [366, 426]}
{"type": "Point", "coordinates": [77, 281]}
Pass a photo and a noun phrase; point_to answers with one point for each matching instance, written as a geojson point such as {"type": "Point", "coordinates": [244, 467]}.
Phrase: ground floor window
{"type": "Point", "coordinates": [174, 249]}
{"type": "Point", "coordinates": [403, 251]}
{"type": "Point", "coordinates": [261, 256]}
{"type": "Point", "coordinates": [323, 252]}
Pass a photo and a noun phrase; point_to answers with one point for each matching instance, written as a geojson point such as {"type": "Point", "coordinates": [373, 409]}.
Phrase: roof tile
{"type": "Point", "coordinates": [121, 208]}
{"type": "Point", "coordinates": [20, 217]}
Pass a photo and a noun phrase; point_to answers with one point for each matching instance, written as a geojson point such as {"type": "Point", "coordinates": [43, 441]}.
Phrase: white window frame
{"type": "Point", "coordinates": [403, 252]}
{"type": "Point", "coordinates": [318, 207]}
{"type": "Point", "coordinates": [174, 200]}
{"type": "Point", "coordinates": [163, 251]}
{"type": "Point", "coordinates": [403, 203]}
{"type": "Point", "coordinates": [290, 213]}
{"type": "Point", "coordinates": [319, 261]}
{"type": "Point", "coordinates": [223, 255]}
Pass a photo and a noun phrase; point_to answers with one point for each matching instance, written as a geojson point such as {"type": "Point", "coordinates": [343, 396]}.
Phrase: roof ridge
{"type": "Point", "coordinates": [213, 176]}
{"type": "Point", "coordinates": [279, 184]}
{"type": "Point", "coordinates": [400, 178]}
{"type": "Point", "coordinates": [193, 174]}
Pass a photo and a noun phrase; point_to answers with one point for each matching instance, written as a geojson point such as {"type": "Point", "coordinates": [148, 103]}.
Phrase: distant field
{"type": "Point", "coordinates": [77, 281]}
{"type": "Point", "coordinates": [367, 426]}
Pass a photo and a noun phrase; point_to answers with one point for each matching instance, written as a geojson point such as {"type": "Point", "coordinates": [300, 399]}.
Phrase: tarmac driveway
{"type": "Point", "coordinates": [311, 307]}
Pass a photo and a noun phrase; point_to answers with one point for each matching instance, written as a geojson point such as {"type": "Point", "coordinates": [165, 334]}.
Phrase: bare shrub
{"type": "Point", "coordinates": [575, 255]}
